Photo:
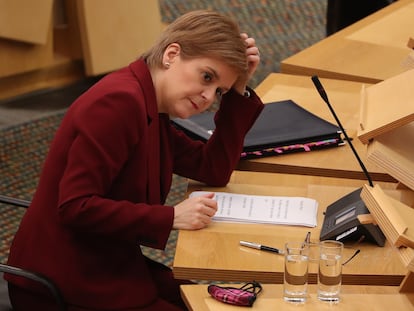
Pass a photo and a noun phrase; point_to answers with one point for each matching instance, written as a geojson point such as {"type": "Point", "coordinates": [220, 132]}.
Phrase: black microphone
{"type": "Point", "coordinates": [324, 96]}
{"type": "Point", "coordinates": [341, 217]}
{"type": "Point", "coordinates": [321, 91]}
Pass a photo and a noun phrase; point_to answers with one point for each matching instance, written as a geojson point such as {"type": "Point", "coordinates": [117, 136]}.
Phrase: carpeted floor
{"type": "Point", "coordinates": [281, 28]}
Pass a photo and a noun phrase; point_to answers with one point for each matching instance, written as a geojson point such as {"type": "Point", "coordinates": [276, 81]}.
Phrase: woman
{"type": "Point", "coordinates": [109, 169]}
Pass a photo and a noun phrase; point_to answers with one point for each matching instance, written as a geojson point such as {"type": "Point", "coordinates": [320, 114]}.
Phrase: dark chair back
{"type": "Point", "coordinates": [4, 295]}
{"type": "Point", "coordinates": [4, 268]}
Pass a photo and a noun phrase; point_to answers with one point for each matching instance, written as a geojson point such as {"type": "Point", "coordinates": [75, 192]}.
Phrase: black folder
{"type": "Point", "coordinates": [282, 127]}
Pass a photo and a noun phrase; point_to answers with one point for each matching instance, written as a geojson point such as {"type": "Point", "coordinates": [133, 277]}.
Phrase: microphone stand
{"type": "Point", "coordinates": [324, 96]}
{"type": "Point", "coordinates": [335, 226]}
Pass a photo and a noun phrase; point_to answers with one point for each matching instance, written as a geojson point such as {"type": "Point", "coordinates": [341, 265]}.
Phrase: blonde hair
{"type": "Point", "coordinates": [202, 33]}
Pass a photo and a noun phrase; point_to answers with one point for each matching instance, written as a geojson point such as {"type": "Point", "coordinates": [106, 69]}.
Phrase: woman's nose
{"type": "Point", "coordinates": [209, 94]}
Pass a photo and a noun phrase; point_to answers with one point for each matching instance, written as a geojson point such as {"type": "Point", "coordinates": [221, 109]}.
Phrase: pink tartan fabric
{"type": "Point", "coordinates": [236, 296]}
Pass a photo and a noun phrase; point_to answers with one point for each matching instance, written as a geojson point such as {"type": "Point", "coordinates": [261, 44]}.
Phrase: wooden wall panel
{"type": "Point", "coordinates": [66, 33]}
{"type": "Point", "coordinates": [25, 20]}
{"type": "Point", "coordinates": [116, 32]}
{"type": "Point", "coordinates": [19, 57]}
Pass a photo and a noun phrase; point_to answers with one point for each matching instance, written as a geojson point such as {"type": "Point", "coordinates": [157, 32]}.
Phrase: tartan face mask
{"type": "Point", "coordinates": [243, 296]}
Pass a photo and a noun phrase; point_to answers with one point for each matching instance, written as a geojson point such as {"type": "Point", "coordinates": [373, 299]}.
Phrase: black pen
{"type": "Point", "coordinates": [261, 247]}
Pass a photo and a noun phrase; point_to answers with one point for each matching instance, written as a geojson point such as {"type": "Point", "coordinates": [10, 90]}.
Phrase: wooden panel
{"type": "Point", "coordinates": [18, 57]}
{"type": "Point", "coordinates": [25, 20]}
{"type": "Point", "coordinates": [394, 153]}
{"type": "Point", "coordinates": [393, 29]}
{"type": "Point", "coordinates": [394, 217]}
{"type": "Point", "coordinates": [407, 286]}
{"type": "Point", "coordinates": [66, 33]}
{"type": "Point", "coordinates": [386, 106]}
{"type": "Point", "coordinates": [353, 298]}
{"type": "Point", "coordinates": [62, 72]}
{"type": "Point", "coordinates": [370, 50]}
{"type": "Point", "coordinates": [114, 33]}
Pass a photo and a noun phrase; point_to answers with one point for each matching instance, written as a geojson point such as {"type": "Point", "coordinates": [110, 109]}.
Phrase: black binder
{"type": "Point", "coordinates": [282, 127]}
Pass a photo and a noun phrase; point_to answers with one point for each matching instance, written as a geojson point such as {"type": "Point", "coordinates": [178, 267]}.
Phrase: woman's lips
{"type": "Point", "coordinates": [194, 105]}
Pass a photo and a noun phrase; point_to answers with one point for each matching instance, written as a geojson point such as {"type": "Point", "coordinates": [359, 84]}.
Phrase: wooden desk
{"type": "Point", "coordinates": [334, 162]}
{"type": "Point", "coordinates": [371, 50]}
{"type": "Point", "coordinates": [214, 253]}
{"type": "Point", "coordinates": [355, 298]}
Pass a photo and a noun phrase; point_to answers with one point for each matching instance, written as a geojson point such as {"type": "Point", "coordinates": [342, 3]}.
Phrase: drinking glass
{"type": "Point", "coordinates": [295, 284]}
{"type": "Point", "coordinates": [330, 270]}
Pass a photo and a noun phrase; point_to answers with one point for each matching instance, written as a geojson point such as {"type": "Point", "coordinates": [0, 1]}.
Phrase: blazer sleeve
{"type": "Point", "coordinates": [214, 161]}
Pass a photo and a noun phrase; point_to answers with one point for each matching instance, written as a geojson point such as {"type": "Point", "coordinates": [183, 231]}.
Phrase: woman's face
{"type": "Point", "coordinates": [189, 87]}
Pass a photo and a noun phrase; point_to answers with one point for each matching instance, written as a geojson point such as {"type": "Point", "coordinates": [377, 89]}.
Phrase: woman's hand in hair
{"type": "Point", "coordinates": [253, 60]}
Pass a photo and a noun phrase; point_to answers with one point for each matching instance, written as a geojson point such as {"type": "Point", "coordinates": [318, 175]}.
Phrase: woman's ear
{"type": "Point", "coordinates": [171, 53]}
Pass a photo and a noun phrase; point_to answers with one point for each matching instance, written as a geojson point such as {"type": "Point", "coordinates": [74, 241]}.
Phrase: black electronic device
{"type": "Point", "coordinates": [341, 220]}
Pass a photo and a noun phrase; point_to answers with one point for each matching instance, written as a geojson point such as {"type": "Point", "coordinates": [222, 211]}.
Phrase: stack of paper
{"type": "Point", "coordinates": [279, 210]}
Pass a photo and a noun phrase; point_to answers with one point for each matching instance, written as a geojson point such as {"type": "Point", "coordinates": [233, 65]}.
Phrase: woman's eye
{"type": "Point", "coordinates": [207, 77]}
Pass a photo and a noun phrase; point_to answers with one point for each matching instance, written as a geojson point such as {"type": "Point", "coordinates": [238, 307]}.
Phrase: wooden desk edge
{"type": "Point", "coordinates": [277, 277]}
{"type": "Point", "coordinates": [195, 295]}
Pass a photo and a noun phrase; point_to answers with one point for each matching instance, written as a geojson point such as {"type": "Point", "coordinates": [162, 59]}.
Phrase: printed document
{"type": "Point", "coordinates": [296, 211]}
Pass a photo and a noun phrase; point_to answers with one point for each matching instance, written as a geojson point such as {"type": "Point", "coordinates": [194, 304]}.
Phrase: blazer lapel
{"type": "Point", "coordinates": [140, 70]}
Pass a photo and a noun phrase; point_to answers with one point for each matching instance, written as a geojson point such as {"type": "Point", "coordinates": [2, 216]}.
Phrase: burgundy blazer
{"type": "Point", "coordinates": [103, 186]}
